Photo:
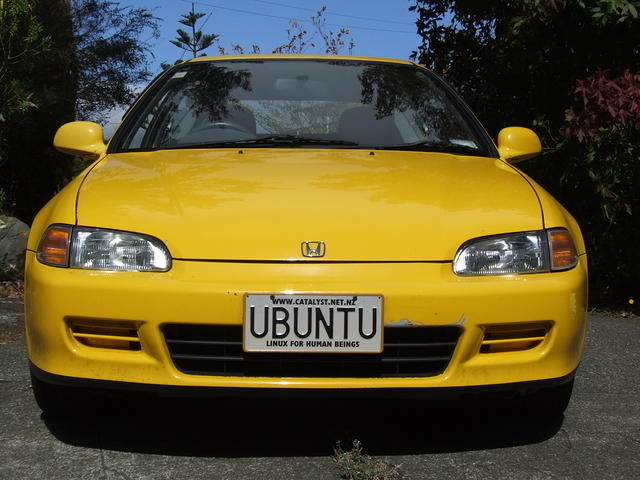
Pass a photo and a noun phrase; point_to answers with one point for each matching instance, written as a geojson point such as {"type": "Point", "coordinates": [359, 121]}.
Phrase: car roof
{"type": "Point", "coordinates": [280, 56]}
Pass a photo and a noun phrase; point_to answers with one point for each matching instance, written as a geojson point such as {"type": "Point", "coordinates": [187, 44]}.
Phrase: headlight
{"type": "Point", "coordinates": [517, 253]}
{"type": "Point", "coordinates": [100, 249]}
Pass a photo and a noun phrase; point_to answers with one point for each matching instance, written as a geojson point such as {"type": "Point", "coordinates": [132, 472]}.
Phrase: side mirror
{"type": "Point", "coordinates": [82, 139]}
{"type": "Point", "coordinates": [516, 144]}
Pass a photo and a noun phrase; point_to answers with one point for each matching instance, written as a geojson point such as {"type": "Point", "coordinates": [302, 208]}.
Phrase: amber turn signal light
{"type": "Point", "coordinates": [563, 251]}
{"type": "Point", "coordinates": [54, 246]}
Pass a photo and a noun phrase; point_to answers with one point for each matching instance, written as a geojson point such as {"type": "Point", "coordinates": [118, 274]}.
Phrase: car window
{"type": "Point", "coordinates": [363, 104]}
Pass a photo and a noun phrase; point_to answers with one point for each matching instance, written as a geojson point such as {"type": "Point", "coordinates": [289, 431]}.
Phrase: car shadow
{"type": "Point", "coordinates": [294, 427]}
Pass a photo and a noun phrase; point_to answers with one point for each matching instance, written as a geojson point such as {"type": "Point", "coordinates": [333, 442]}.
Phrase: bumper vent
{"type": "Point", "coordinates": [105, 334]}
{"type": "Point", "coordinates": [216, 350]}
{"type": "Point", "coordinates": [514, 337]}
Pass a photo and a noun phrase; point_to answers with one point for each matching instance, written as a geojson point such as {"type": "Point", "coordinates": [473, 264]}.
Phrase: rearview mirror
{"type": "Point", "coordinates": [516, 144]}
{"type": "Point", "coordinates": [82, 139]}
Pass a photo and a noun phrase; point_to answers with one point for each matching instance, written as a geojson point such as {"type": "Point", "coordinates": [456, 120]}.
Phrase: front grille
{"type": "Point", "coordinates": [216, 350]}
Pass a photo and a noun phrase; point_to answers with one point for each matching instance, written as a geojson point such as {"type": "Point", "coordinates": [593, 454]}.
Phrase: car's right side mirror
{"type": "Point", "coordinates": [517, 143]}
{"type": "Point", "coordinates": [82, 139]}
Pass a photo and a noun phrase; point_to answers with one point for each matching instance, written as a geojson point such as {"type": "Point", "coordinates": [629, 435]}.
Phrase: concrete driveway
{"type": "Point", "coordinates": [599, 438]}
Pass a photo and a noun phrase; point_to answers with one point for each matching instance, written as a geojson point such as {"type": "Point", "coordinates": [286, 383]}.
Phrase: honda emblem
{"type": "Point", "coordinates": [313, 249]}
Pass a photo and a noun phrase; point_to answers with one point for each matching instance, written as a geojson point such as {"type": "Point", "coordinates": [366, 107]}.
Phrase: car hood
{"type": "Point", "coordinates": [261, 204]}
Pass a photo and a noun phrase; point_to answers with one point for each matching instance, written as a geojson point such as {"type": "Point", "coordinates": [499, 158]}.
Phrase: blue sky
{"type": "Point", "coordinates": [383, 28]}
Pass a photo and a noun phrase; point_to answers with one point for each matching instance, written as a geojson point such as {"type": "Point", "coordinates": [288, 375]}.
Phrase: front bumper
{"type": "Point", "coordinates": [503, 391]}
{"type": "Point", "coordinates": [212, 293]}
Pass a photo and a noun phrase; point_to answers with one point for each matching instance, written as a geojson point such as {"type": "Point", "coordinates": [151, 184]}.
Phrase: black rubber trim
{"type": "Point", "coordinates": [138, 105]}
{"type": "Point", "coordinates": [435, 393]}
{"type": "Point", "coordinates": [489, 147]}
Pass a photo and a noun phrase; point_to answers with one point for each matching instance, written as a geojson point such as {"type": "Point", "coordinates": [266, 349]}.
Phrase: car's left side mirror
{"type": "Point", "coordinates": [516, 144]}
{"type": "Point", "coordinates": [82, 139]}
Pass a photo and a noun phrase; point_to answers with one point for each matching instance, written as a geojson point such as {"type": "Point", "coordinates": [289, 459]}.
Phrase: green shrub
{"type": "Point", "coordinates": [598, 181]}
{"type": "Point", "coordinates": [355, 465]}
{"type": "Point", "coordinates": [3, 201]}
{"type": "Point", "coordinates": [602, 187]}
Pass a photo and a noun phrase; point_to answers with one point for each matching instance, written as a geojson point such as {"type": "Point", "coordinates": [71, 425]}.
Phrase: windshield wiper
{"type": "Point", "coordinates": [267, 140]}
{"type": "Point", "coordinates": [431, 146]}
{"type": "Point", "coordinates": [297, 140]}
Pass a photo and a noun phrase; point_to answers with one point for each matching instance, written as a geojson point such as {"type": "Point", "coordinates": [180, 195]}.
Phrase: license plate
{"type": "Point", "coordinates": [313, 323]}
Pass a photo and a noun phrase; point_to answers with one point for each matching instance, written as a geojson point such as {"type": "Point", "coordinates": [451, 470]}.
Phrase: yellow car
{"type": "Point", "coordinates": [309, 223]}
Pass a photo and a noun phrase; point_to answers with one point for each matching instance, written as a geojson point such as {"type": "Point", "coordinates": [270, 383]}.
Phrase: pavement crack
{"type": "Point", "coordinates": [567, 440]}
{"type": "Point", "coordinates": [544, 473]}
{"type": "Point", "coordinates": [631, 439]}
{"type": "Point", "coordinates": [104, 472]}
{"type": "Point", "coordinates": [568, 452]}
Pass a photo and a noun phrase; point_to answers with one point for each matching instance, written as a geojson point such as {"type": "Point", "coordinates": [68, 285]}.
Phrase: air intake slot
{"type": "Point", "coordinates": [513, 337]}
{"type": "Point", "coordinates": [217, 350]}
{"type": "Point", "coordinates": [116, 335]}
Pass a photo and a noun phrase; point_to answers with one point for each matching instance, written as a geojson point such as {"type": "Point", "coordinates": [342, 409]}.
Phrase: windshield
{"type": "Point", "coordinates": [332, 103]}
